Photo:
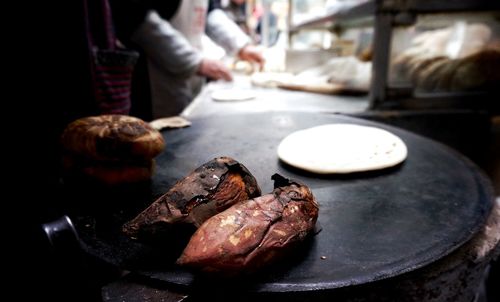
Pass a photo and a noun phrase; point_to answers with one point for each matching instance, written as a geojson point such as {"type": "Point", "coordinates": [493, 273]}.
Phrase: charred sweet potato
{"type": "Point", "coordinates": [255, 232]}
{"type": "Point", "coordinates": [208, 190]}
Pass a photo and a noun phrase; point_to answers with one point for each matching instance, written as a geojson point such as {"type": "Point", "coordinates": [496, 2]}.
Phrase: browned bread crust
{"type": "Point", "coordinates": [112, 137]}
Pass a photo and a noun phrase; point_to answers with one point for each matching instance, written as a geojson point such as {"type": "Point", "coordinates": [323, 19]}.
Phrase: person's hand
{"type": "Point", "coordinates": [214, 70]}
{"type": "Point", "coordinates": [252, 54]}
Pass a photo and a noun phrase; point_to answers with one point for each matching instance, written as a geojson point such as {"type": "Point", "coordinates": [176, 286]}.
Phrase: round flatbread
{"type": "Point", "coordinates": [342, 148]}
{"type": "Point", "coordinates": [230, 95]}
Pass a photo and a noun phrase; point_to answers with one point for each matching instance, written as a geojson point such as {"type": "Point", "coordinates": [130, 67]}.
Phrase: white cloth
{"type": "Point", "coordinates": [190, 20]}
{"type": "Point", "coordinates": [172, 62]}
{"type": "Point", "coordinates": [166, 47]}
{"type": "Point", "coordinates": [225, 32]}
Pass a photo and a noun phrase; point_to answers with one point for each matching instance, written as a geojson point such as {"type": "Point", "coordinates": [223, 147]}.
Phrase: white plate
{"type": "Point", "coordinates": [342, 148]}
{"type": "Point", "coordinates": [233, 94]}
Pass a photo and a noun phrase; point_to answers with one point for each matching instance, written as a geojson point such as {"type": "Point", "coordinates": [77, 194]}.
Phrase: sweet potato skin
{"type": "Point", "coordinates": [208, 190]}
{"type": "Point", "coordinates": [253, 233]}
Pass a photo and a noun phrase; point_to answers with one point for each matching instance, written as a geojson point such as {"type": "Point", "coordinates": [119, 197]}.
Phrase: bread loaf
{"type": "Point", "coordinates": [112, 137]}
{"type": "Point", "coordinates": [110, 149]}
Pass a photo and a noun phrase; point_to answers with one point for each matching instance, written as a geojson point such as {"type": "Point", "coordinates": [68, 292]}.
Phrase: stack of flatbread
{"type": "Point", "coordinates": [338, 75]}
{"type": "Point", "coordinates": [457, 58]}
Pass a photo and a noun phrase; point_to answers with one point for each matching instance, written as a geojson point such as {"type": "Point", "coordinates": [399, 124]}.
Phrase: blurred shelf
{"type": "Point", "coordinates": [436, 6]}
{"type": "Point", "coordinates": [357, 15]}
{"type": "Point", "coordinates": [364, 13]}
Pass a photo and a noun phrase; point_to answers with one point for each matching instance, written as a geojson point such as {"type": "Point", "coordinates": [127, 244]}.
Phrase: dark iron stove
{"type": "Point", "coordinates": [377, 227]}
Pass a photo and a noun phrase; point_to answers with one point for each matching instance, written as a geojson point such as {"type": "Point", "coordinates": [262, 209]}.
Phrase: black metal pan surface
{"type": "Point", "coordinates": [374, 225]}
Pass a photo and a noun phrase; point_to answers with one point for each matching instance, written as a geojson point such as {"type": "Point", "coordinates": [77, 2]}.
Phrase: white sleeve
{"type": "Point", "coordinates": [225, 32]}
{"type": "Point", "coordinates": [166, 47]}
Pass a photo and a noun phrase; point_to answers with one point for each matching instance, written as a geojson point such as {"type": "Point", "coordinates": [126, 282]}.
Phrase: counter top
{"type": "Point", "coordinates": [271, 99]}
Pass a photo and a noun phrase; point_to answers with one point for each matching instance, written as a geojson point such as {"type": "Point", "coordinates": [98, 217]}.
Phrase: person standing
{"type": "Point", "coordinates": [177, 66]}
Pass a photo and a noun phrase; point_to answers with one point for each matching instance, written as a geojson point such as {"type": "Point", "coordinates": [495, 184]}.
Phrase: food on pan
{"type": "Point", "coordinates": [342, 148]}
{"type": "Point", "coordinates": [208, 190]}
{"type": "Point", "coordinates": [171, 122]}
{"type": "Point", "coordinates": [112, 149]}
{"type": "Point", "coordinates": [253, 233]}
{"type": "Point", "coordinates": [110, 137]}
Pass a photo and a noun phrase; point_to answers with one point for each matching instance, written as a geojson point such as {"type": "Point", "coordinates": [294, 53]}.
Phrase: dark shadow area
{"type": "Point", "coordinates": [466, 131]}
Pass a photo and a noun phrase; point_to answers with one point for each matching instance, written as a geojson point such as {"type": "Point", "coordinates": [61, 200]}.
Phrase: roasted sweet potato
{"type": "Point", "coordinates": [208, 190]}
{"type": "Point", "coordinates": [255, 232]}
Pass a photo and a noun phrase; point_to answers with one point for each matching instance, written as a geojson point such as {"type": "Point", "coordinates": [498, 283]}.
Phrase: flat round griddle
{"type": "Point", "coordinates": [374, 225]}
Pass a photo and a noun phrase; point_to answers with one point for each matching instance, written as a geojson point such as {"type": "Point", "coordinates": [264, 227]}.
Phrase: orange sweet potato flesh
{"type": "Point", "coordinates": [253, 233]}
{"type": "Point", "coordinates": [208, 190]}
